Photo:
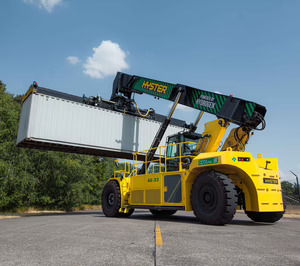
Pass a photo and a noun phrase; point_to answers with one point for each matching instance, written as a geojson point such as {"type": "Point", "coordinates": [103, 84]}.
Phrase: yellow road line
{"type": "Point", "coordinates": [159, 241]}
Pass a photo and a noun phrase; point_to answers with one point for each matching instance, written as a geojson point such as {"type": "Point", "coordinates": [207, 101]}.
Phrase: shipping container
{"type": "Point", "coordinates": [55, 123]}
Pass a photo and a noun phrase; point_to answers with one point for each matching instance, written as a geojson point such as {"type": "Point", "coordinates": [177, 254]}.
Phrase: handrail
{"type": "Point", "coordinates": [160, 160]}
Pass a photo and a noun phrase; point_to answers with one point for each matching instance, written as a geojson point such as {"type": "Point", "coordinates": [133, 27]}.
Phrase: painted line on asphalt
{"type": "Point", "coordinates": [159, 241]}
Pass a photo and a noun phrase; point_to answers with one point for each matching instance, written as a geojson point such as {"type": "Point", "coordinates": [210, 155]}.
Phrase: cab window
{"type": "Point", "coordinates": [172, 149]}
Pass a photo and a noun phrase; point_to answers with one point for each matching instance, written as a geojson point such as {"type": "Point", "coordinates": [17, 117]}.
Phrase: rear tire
{"type": "Point", "coordinates": [214, 198]}
{"type": "Point", "coordinates": [111, 199]}
{"type": "Point", "coordinates": [265, 217]}
{"type": "Point", "coordinates": [163, 213]}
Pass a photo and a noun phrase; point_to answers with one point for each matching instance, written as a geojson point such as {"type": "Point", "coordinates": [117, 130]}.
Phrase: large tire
{"type": "Point", "coordinates": [163, 213]}
{"type": "Point", "coordinates": [111, 199]}
{"type": "Point", "coordinates": [265, 217]}
{"type": "Point", "coordinates": [214, 198]}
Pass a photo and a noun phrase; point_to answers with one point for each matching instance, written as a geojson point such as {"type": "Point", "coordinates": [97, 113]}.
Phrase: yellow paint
{"type": "Point", "coordinates": [215, 131]}
{"type": "Point", "coordinates": [250, 176]}
{"type": "Point", "coordinates": [236, 144]}
{"type": "Point", "coordinates": [159, 241]}
{"type": "Point", "coordinates": [31, 90]}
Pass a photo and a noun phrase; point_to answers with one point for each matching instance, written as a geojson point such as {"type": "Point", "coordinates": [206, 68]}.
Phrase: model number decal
{"type": "Point", "coordinates": [206, 101]}
{"type": "Point", "coordinates": [270, 181]}
{"type": "Point", "coordinates": [208, 161]}
{"type": "Point", "coordinates": [155, 179]}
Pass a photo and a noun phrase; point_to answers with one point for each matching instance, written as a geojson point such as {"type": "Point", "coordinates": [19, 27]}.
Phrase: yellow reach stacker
{"type": "Point", "coordinates": [194, 172]}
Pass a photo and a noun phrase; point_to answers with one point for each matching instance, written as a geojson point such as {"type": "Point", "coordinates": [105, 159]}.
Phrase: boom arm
{"type": "Point", "coordinates": [160, 133]}
{"type": "Point", "coordinates": [241, 112]}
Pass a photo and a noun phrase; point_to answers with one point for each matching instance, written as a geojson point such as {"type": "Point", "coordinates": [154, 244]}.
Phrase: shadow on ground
{"type": "Point", "coordinates": [177, 218]}
{"type": "Point", "coordinates": [147, 216]}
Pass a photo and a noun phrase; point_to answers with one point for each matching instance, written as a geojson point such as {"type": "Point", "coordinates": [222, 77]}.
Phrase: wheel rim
{"type": "Point", "coordinates": [111, 199]}
{"type": "Point", "coordinates": [208, 198]}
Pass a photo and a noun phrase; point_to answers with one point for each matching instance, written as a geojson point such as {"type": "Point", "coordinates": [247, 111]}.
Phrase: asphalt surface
{"type": "Point", "coordinates": [89, 238]}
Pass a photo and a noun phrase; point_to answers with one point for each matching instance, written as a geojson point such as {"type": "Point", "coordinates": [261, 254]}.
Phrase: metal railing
{"type": "Point", "coordinates": [162, 162]}
{"type": "Point", "coordinates": [122, 169]}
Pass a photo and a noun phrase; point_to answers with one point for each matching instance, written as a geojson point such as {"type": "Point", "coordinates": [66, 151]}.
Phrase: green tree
{"type": "Point", "coordinates": [44, 179]}
{"type": "Point", "coordinates": [287, 188]}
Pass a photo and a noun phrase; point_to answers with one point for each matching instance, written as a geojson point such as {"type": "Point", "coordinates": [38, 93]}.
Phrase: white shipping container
{"type": "Point", "coordinates": [53, 123]}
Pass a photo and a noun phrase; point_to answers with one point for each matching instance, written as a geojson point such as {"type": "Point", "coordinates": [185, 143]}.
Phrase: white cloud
{"type": "Point", "coordinates": [107, 59]}
{"type": "Point", "coordinates": [73, 60]}
{"type": "Point", "coordinates": [182, 108]}
{"type": "Point", "coordinates": [47, 4]}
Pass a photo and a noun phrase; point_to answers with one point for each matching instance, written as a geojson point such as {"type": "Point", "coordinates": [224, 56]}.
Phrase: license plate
{"type": "Point", "coordinates": [270, 181]}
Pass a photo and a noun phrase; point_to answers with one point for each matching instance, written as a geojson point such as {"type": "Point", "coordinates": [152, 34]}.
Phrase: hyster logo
{"type": "Point", "coordinates": [155, 87]}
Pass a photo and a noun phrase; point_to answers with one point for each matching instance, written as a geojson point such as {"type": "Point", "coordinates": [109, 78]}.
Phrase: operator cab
{"type": "Point", "coordinates": [189, 142]}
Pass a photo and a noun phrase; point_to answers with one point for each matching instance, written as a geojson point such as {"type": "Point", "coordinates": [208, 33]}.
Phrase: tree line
{"type": "Point", "coordinates": [44, 179]}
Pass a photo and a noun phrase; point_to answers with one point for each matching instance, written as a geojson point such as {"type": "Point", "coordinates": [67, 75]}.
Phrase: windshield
{"type": "Point", "coordinates": [188, 147]}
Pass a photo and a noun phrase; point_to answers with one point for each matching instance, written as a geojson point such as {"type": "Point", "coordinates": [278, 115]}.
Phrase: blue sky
{"type": "Point", "coordinates": [250, 49]}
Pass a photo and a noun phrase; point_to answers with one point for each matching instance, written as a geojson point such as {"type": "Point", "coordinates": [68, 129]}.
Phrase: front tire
{"type": "Point", "coordinates": [214, 198]}
{"type": "Point", "coordinates": [111, 199]}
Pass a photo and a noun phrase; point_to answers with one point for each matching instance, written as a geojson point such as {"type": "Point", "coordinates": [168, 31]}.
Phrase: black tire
{"type": "Point", "coordinates": [214, 198]}
{"type": "Point", "coordinates": [125, 215]}
{"type": "Point", "coordinates": [111, 199]}
{"type": "Point", "coordinates": [163, 213]}
{"type": "Point", "coordinates": [265, 217]}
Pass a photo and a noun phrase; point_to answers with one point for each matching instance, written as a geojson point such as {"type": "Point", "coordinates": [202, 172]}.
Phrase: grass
{"type": "Point", "coordinates": [292, 211]}
{"type": "Point", "coordinates": [86, 207]}
{"type": "Point", "coordinates": [2, 217]}
{"type": "Point", "coordinates": [24, 211]}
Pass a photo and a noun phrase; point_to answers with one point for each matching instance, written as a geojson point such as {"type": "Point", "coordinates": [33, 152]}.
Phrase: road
{"type": "Point", "coordinates": [89, 238]}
